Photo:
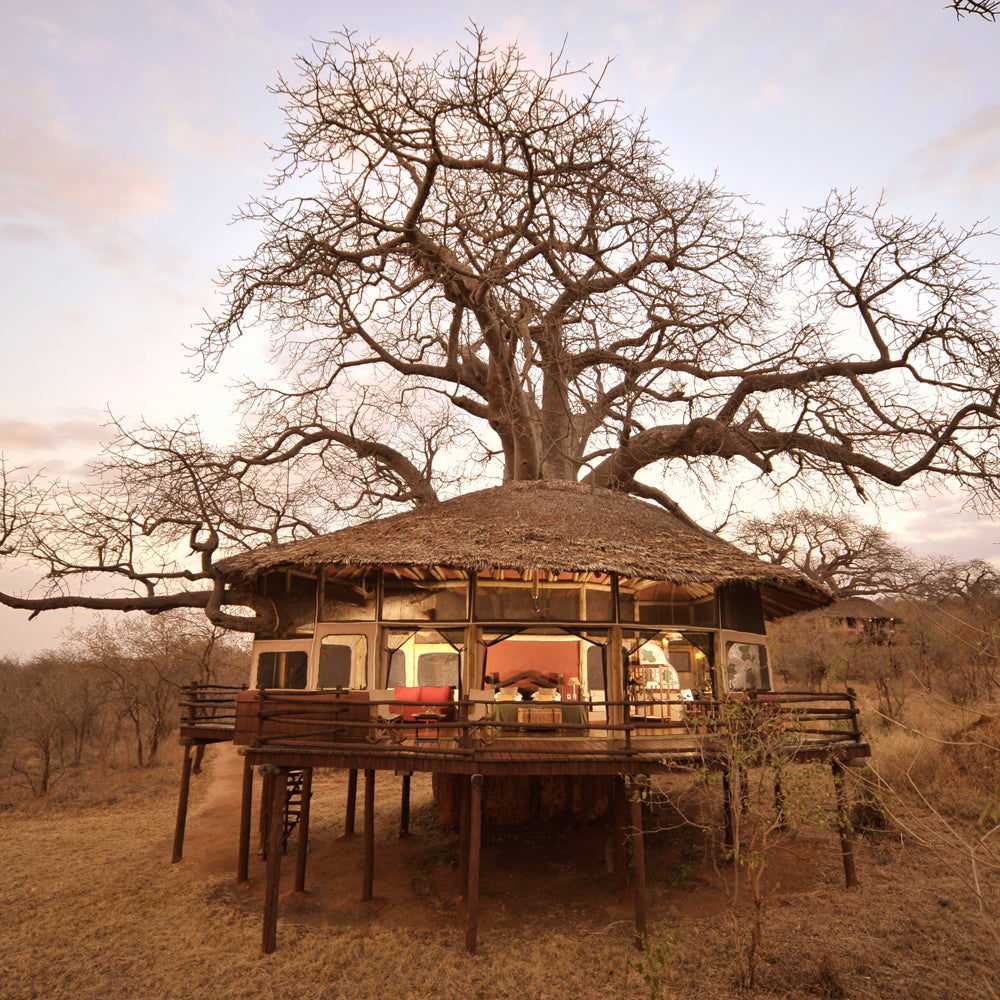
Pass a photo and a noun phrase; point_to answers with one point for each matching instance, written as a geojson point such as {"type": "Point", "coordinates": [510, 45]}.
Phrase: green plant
{"type": "Point", "coordinates": [652, 964]}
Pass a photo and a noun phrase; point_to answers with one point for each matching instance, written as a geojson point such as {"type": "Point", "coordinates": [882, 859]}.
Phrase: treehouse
{"type": "Point", "coordinates": [534, 646]}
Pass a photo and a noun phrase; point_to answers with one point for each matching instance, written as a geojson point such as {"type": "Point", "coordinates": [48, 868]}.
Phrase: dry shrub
{"type": "Point", "coordinates": [111, 918]}
{"type": "Point", "coordinates": [828, 978]}
{"type": "Point", "coordinates": [947, 754]}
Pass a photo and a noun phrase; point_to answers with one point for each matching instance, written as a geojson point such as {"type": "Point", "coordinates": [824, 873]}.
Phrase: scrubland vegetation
{"type": "Point", "coordinates": [92, 908]}
{"type": "Point", "coordinates": [105, 702]}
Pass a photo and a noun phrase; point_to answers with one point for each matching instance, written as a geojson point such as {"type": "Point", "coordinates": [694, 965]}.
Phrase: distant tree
{"type": "Point", "coordinates": [473, 271]}
{"type": "Point", "coordinates": [943, 578]}
{"type": "Point", "coordinates": [146, 663]}
{"type": "Point", "coordinates": [8, 686]}
{"type": "Point", "coordinates": [840, 551]}
{"type": "Point", "coordinates": [53, 714]}
{"type": "Point", "coordinates": [959, 631]}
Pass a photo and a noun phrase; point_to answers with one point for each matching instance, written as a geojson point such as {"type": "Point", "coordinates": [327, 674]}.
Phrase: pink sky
{"type": "Point", "coordinates": [132, 132]}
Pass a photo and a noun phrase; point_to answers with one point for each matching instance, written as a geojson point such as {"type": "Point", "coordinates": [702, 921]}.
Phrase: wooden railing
{"type": "Point", "coordinates": [789, 720]}
{"type": "Point", "coordinates": [208, 705]}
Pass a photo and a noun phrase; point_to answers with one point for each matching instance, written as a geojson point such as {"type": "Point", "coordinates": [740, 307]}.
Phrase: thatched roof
{"type": "Point", "coordinates": [857, 607]}
{"type": "Point", "coordinates": [545, 526]}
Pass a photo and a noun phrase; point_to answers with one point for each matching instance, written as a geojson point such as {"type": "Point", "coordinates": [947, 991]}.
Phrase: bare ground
{"type": "Point", "coordinates": [90, 907]}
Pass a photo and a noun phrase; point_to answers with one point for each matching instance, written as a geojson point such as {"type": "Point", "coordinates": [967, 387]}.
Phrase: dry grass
{"type": "Point", "coordinates": [91, 908]}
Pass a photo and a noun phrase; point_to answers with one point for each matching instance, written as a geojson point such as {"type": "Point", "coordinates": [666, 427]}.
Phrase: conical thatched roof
{"type": "Point", "coordinates": [857, 607]}
{"type": "Point", "coordinates": [545, 526]}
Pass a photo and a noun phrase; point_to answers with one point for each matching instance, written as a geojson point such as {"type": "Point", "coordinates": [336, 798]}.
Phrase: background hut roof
{"type": "Point", "coordinates": [857, 607]}
{"type": "Point", "coordinates": [546, 526]}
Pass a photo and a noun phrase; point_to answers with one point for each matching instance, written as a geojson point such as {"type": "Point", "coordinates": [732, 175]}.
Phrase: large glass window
{"type": "Point", "coordinates": [660, 603]}
{"type": "Point", "coordinates": [510, 596]}
{"type": "Point", "coordinates": [668, 657]}
{"type": "Point", "coordinates": [348, 595]}
{"type": "Point", "coordinates": [558, 655]}
{"type": "Point", "coordinates": [294, 597]}
{"type": "Point", "coordinates": [598, 598]}
{"type": "Point", "coordinates": [430, 594]}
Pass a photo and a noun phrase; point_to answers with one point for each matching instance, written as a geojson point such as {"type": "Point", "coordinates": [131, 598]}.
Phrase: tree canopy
{"type": "Point", "coordinates": [986, 9]}
{"type": "Point", "coordinates": [855, 559]}
{"type": "Point", "coordinates": [473, 270]}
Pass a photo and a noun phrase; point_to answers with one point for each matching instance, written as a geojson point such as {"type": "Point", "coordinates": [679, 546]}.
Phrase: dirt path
{"type": "Point", "coordinates": [528, 875]}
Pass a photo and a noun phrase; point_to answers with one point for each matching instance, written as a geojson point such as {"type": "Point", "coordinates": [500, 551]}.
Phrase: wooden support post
{"type": "Point", "coordinates": [475, 797]}
{"type": "Point", "coordinates": [277, 780]}
{"type": "Point", "coordinates": [352, 801]}
{"type": "Point", "coordinates": [729, 831]}
{"type": "Point", "coordinates": [744, 779]}
{"type": "Point", "coordinates": [182, 806]}
{"type": "Point", "coordinates": [368, 875]}
{"type": "Point", "coordinates": [404, 808]}
{"type": "Point", "coordinates": [638, 869]}
{"type": "Point", "coordinates": [464, 832]}
{"type": "Point", "coordinates": [246, 812]}
{"type": "Point", "coordinates": [781, 814]}
{"type": "Point", "coordinates": [264, 820]}
{"type": "Point", "coordinates": [586, 786]}
{"type": "Point", "coordinates": [302, 848]}
{"type": "Point", "coordinates": [621, 852]}
{"type": "Point", "coordinates": [844, 824]}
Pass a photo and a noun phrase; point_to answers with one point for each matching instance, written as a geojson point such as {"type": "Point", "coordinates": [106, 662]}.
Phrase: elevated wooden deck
{"type": "Point", "coordinates": [536, 756]}
{"type": "Point", "coordinates": [287, 734]}
{"type": "Point", "coordinates": [349, 730]}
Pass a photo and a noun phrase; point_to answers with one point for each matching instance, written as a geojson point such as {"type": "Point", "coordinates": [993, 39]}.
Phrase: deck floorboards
{"type": "Point", "coordinates": [528, 755]}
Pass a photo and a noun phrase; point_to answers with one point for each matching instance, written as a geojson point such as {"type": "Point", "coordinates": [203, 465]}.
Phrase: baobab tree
{"type": "Point", "coordinates": [838, 550]}
{"type": "Point", "coordinates": [986, 9]}
{"type": "Point", "coordinates": [471, 270]}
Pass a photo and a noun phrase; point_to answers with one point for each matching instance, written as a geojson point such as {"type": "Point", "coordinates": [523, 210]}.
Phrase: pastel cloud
{"type": "Point", "coordinates": [967, 157]}
{"type": "Point", "coordinates": [25, 435]}
{"type": "Point", "coordinates": [51, 176]}
{"type": "Point", "coordinates": [937, 526]}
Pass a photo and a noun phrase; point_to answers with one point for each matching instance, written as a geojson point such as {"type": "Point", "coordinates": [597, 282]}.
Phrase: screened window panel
{"type": "Point", "coordinates": [283, 669]}
{"type": "Point", "coordinates": [343, 661]}
{"type": "Point", "coordinates": [438, 669]}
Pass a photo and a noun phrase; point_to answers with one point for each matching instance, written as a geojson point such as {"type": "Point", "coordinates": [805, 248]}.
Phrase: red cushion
{"type": "Point", "coordinates": [408, 694]}
{"type": "Point", "coordinates": [433, 696]}
{"type": "Point", "coordinates": [430, 695]}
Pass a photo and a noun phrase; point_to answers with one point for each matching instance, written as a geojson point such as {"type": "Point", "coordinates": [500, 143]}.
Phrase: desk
{"type": "Point", "coordinates": [550, 715]}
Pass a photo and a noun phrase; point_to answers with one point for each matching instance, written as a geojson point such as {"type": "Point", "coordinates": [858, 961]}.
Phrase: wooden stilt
{"type": "Point", "coordinates": [586, 786]}
{"type": "Point", "coordinates": [246, 812]}
{"type": "Point", "coordinates": [404, 808]}
{"type": "Point", "coordinates": [278, 780]}
{"type": "Point", "coordinates": [352, 801]}
{"type": "Point", "coordinates": [844, 824]}
{"type": "Point", "coordinates": [638, 870]}
{"type": "Point", "coordinates": [303, 845]}
{"type": "Point", "coordinates": [464, 831]}
{"type": "Point", "coordinates": [475, 797]}
{"type": "Point", "coordinates": [368, 875]}
{"type": "Point", "coordinates": [779, 801]}
{"type": "Point", "coordinates": [182, 806]}
{"type": "Point", "coordinates": [264, 820]}
{"type": "Point", "coordinates": [729, 831]}
{"type": "Point", "coordinates": [621, 853]}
